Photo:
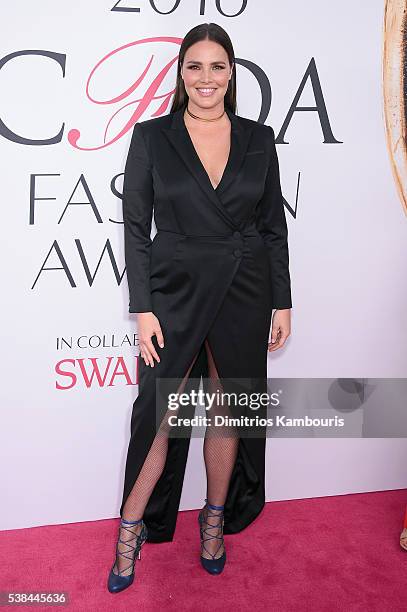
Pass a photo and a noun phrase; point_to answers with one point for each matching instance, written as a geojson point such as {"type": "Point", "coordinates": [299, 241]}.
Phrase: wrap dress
{"type": "Point", "coordinates": [215, 269]}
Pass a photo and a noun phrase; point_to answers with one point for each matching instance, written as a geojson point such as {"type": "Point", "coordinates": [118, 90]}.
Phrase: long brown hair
{"type": "Point", "coordinates": [205, 31]}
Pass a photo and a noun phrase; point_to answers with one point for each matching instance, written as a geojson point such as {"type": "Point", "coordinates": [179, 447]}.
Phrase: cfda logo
{"type": "Point", "coordinates": [146, 91]}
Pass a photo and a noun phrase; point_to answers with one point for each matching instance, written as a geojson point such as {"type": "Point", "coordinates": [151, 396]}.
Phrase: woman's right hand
{"type": "Point", "coordinates": [148, 325]}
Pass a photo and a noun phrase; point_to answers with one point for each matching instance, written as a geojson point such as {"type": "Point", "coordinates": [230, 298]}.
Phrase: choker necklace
{"type": "Point", "coordinates": [202, 118]}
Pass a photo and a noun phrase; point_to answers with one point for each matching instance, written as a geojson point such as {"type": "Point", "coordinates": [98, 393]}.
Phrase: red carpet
{"type": "Point", "coordinates": [331, 553]}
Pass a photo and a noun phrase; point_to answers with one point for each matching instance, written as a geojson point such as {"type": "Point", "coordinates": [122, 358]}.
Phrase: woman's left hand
{"type": "Point", "coordinates": [280, 329]}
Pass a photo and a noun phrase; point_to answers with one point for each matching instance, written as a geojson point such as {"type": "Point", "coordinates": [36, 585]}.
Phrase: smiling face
{"type": "Point", "coordinates": [206, 72]}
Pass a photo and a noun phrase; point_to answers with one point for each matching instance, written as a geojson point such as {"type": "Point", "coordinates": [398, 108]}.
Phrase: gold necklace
{"type": "Point", "coordinates": [203, 118]}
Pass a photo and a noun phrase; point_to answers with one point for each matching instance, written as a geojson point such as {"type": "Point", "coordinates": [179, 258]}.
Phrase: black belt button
{"type": "Point", "coordinates": [236, 234]}
{"type": "Point", "coordinates": [237, 253]}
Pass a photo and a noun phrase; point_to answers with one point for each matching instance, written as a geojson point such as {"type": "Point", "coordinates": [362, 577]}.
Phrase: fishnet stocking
{"type": "Point", "coordinates": [143, 487]}
{"type": "Point", "coordinates": [220, 451]}
{"type": "Point", "coordinates": [219, 455]}
{"type": "Point", "coordinates": [126, 548]}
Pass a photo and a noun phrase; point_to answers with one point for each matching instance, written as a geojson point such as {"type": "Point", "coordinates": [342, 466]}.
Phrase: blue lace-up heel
{"type": "Point", "coordinates": [213, 566]}
{"type": "Point", "coordinates": [118, 582]}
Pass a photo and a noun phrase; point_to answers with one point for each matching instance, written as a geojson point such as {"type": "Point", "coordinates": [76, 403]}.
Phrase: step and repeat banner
{"type": "Point", "coordinates": [74, 78]}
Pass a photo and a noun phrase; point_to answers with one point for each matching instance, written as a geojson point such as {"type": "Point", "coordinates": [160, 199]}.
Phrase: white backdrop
{"type": "Point", "coordinates": [63, 436]}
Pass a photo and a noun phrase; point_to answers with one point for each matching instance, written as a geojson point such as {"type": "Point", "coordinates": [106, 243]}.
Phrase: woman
{"type": "Point", "coordinates": [203, 291]}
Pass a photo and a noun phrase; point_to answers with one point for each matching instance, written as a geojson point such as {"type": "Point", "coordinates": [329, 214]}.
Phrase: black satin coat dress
{"type": "Point", "coordinates": [217, 266]}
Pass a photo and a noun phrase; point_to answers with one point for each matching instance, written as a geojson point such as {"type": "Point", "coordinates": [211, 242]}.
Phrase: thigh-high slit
{"type": "Point", "coordinates": [238, 346]}
{"type": "Point", "coordinates": [219, 451]}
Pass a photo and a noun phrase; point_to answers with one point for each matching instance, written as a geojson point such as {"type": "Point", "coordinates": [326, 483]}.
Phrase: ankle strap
{"type": "Point", "coordinates": [131, 522]}
{"type": "Point", "coordinates": [214, 507]}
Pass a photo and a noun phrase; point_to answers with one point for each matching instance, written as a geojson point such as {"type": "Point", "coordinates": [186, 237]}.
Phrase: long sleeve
{"type": "Point", "coordinates": [272, 225]}
{"type": "Point", "coordinates": [138, 198]}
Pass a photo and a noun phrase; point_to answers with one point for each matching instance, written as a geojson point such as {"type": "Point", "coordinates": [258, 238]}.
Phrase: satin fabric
{"type": "Point", "coordinates": [214, 271]}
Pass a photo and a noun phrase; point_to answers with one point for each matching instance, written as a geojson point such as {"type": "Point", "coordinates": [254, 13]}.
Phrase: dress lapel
{"type": "Point", "coordinates": [180, 139]}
